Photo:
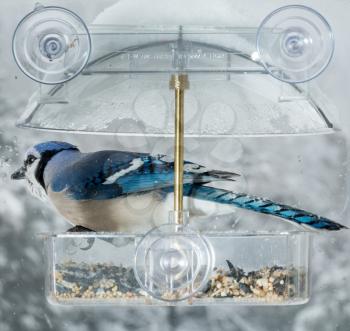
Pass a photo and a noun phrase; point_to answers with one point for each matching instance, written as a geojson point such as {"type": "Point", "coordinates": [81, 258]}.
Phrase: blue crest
{"type": "Point", "coordinates": [53, 146]}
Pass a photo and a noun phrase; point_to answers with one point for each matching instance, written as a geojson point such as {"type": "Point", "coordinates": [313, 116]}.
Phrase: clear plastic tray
{"type": "Point", "coordinates": [124, 89]}
{"type": "Point", "coordinates": [250, 269]}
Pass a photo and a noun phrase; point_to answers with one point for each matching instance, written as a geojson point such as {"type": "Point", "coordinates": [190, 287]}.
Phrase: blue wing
{"type": "Point", "coordinates": [110, 174]}
{"type": "Point", "coordinates": [157, 173]}
{"type": "Point", "coordinates": [82, 175]}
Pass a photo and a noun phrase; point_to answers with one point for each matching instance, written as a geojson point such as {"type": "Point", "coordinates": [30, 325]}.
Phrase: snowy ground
{"type": "Point", "coordinates": [315, 177]}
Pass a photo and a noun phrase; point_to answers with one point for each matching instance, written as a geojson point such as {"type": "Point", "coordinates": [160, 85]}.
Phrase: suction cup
{"type": "Point", "coordinates": [51, 45]}
{"type": "Point", "coordinates": [295, 43]}
{"type": "Point", "coordinates": [173, 262]}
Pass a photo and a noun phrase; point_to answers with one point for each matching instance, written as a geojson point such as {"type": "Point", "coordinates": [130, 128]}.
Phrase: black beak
{"type": "Point", "coordinates": [19, 174]}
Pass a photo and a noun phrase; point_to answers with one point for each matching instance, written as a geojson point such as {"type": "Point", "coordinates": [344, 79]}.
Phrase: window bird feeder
{"type": "Point", "coordinates": [173, 263]}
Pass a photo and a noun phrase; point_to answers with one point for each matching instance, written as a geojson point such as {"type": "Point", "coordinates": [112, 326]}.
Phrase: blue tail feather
{"type": "Point", "coordinates": [261, 205]}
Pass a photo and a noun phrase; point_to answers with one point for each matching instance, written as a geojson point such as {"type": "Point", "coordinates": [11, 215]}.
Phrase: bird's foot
{"type": "Point", "coordinates": [79, 228]}
{"type": "Point", "coordinates": [90, 241]}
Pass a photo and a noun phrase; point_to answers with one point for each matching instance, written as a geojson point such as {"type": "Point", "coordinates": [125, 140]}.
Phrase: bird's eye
{"type": "Point", "coordinates": [30, 160]}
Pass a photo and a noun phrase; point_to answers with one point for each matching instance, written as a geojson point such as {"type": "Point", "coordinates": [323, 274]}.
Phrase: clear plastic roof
{"type": "Point", "coordinates": [124, 89]}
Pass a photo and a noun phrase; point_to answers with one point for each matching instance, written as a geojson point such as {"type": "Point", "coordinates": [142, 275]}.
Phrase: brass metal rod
{"type": "Point", "coordinates": [179, 146]}
{"type": "Point", "coordinates": [179, 83]}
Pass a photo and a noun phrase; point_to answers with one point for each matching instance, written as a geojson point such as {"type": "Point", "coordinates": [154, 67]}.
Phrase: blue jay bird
{"type": "Point", "coordinates": [94, 191]}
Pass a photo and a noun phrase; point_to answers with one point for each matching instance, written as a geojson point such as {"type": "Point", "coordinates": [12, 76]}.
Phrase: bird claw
{"type": "Point", "coordinates": [79, 228]}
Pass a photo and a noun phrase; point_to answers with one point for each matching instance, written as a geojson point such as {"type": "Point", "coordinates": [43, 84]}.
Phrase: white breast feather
{"type": "Point", "coordinates": [134, 213]}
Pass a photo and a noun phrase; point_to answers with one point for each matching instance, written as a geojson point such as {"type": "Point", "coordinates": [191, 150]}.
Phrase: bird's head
{"type": "Point", "coordinates": [35, 161]}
